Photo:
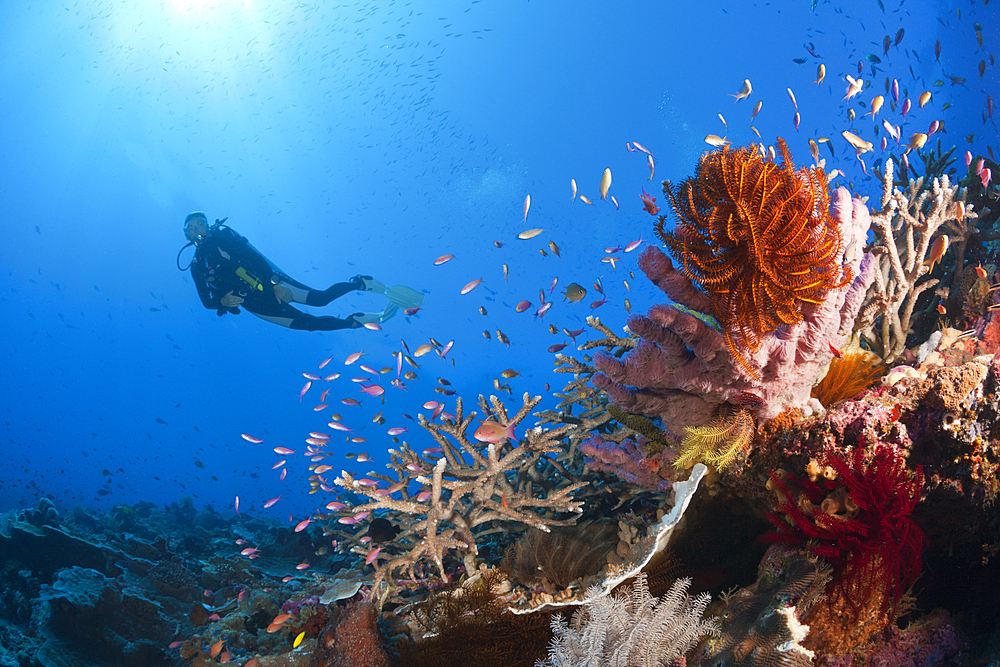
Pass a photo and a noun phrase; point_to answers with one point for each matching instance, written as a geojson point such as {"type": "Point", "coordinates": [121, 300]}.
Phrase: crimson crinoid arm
{"type": "Point", "coordinates": [859, 522]}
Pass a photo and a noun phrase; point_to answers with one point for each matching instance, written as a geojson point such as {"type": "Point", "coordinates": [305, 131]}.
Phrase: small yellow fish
{"type": "Point", "coordinates": [510, 373]}
{"type": "Point", "coordinates": [530, 233]}
{"type": "Point", "coordinates": [605, 183]}
{"type": "Point", "coordinates": [628, 307]}
{"type": "Point", "coordinates": [505, 272]}
{"type": "Point", "coordinates": [744, 91]}
{"type": "Point", "coordinates": [814, 150]}
{"type": "Point", "coordinates": [625, 282]}
{"type": "Point", "coordinates": [552, 329]}
{"type": "Point", "coordinates": [422, 350]}
{"type": "Point", "coordinates": [917, 141]}
{"type": "Point", "coordinates": [554, 248]}
{"type": "Point", "coordinates": [574, 292]}
{"type": "Point", "coordinates": [876, 106]}
{"type": "Point", "coordinates": [716, 140]}
{"type": "Point", "coordinates": [924, 98]}
{"type": "Point", "coordinates": [586, 200]}
{"type": "Point", "coordinates": [820, 74]}
{"type": "Point", "coordinates": [859, 144]}
{"type": "Point", "coordinates": [792, 96]}
{"type": "Point", "coordinates": [482, 310]}
{"type": "Point", "coordinates": [572, 184]}
{"type": "Point", "coordinates": [486, 334]}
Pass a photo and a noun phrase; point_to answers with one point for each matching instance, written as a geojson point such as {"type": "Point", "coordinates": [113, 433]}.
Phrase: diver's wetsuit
{"type": "Point", "coordinates": [225, 261]}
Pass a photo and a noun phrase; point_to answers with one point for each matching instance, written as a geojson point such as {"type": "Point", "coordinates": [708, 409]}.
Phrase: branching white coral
{"type": "Point", "coordinates": [905, 230]}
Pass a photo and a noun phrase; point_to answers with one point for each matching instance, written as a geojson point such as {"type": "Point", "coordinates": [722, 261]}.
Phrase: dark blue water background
{"type": "Point", "coordinates": [370, 138]}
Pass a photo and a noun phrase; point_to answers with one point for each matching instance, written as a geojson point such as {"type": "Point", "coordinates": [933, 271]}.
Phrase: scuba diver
{"type": "Point", "coordinates": [229, 273]}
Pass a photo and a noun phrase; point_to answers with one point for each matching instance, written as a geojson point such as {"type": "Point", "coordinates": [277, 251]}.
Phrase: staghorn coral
{"type": "Point", "coordinates": [860, 523]}
{"type": "Point", "coordinates": [904, 231]}
{"type": "Point", "coordinates": [847, 377]}
{"type": "Point", "coordinates": [756, 236]}
{"type": "Point", "coordinates": [466, 489]}
{"type": "Point", "coordinates": [632, 629]}
{"type": "Point", "coordinates": [681, 369]}
{"type": "Point", "coordinates": [720, 441]}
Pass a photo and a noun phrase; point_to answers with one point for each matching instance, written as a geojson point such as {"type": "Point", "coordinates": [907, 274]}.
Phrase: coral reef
{"type": "Point", "coordinates": [848, 376]}
{"type": "Point", "coordinates": [505, 483]}
{"type": "Point", "coordinates": [469, 625]}
{"type": "Point", "coordinates": [558, 558]}
{"type": "Point", "coordinates": [760, 623]}
{"type": "Point", "coordinates": [756, 237]}
{"type": "Point", "coordinates": [719, 442]}
{"type": "Point", "coordinates": [627, 461]}
{"type": "Point", "coordinates": [351, 639]}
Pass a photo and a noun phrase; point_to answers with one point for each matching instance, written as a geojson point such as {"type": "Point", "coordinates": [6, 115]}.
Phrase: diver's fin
{"type": "Point", "coordinates": [372, 285]}
{"type": "Point", "coordinates": [404, 297]}
{"type": "Point", "coordinates": [389, 312]}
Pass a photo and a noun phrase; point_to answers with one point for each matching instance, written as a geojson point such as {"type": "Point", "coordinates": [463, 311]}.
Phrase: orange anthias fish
{"type": "Point", "coordinates": [494, 432]}
{"type": "Point", "coordinates": [649, 203]}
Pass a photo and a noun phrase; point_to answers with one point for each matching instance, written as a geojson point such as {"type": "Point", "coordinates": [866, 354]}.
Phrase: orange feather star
{"type": "Point", "coordinates": [757, 236]}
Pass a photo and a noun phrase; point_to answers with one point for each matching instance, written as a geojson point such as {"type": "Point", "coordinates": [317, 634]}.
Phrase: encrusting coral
{"type": "Point", "coordinates": [756, 236]}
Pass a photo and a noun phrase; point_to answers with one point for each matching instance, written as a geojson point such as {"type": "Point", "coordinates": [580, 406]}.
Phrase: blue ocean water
{"type": "Point", "coordinates": [372, 138]}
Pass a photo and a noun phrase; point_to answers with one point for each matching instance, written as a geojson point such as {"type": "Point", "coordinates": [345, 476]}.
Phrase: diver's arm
{"type": "Point", "coordinates": [208, 299]}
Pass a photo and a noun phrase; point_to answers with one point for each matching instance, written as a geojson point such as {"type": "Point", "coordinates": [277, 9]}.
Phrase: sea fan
{"type": "Point", "coordinates": [634, 630]}
{"type": "Point", "coordinates": [848, 377]}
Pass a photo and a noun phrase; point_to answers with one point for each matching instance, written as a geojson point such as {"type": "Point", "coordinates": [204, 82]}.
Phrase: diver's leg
{"type": "Point", "coordinates": [335, 291]}
{"type": "Point", "coordinates": [293, 318]}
